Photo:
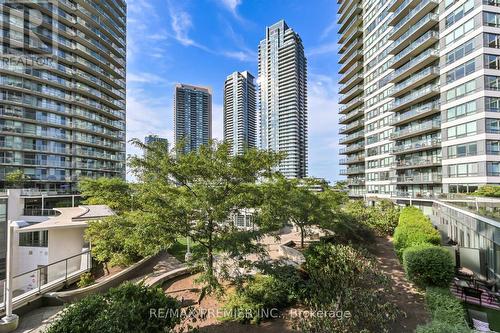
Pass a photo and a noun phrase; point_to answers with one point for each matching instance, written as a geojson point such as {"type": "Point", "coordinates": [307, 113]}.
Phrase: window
{"type": "Point", "coordinates": [462, 130]}
{"type": "Point", "coordinates": [492, 147]}
{"type": "Point", "coordinates": [461, 90]}
{"type": "Point", "coordinates": [460, 52]}
{"type": "Point", "coordinates": [491, 61]}
{"type": "Point", "coordinates": [492, 40]}
{"type": "Point", "coordinates": [461, 110]}
{"type": "Point", "coordinates": [492, 104]}
{"type": "Point", "coordinates": [35, 238]}
{"type": "Point", "coordinates": [492, 82]}
{"type": "Point", "coordinates": [493, 126]}
{"type": "Point", "coordinates": [491, 19]}
{"type": "Point", "coordinates": [459, 32]}
{"type": "Point", "coordinates": [461, 71]}
{"type": "Point", "coordinates": [460, 12]}
{"type": "Point", "coordinates": [463, 170]}
{"type": "Point", "coordinates": [466, 149]}
{"type": "Point", "coordinates": [493, 168]}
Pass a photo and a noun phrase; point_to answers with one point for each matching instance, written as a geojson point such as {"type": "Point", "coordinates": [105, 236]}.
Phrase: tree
{"type": "Point", "coordinates": [488, 191]}
{"type": "Point", "coordinates": [197, 194]}
{"type": "Point", "coordinates": [305, 207]}
{"type": "Point", "coordinates": [15, 179]}
{"type": "Point", "coordinates": [114, 192]}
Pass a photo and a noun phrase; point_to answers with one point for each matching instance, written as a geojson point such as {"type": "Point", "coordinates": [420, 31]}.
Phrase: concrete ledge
{"type": "Point", "coordinates": [128, 273]}
{"type": "Point", "coordinates": [160, 279]}
{"type": "Point", "coordinates": [9, 324]}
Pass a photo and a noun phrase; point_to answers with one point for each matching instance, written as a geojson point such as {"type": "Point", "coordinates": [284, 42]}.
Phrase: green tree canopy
{"type": "Point", "coordinates": [114, 192]}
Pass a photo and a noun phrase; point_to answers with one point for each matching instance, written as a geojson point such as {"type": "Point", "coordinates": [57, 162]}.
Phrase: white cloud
{"type": "Point", "coordinates": [241, 55]}
{"type": "Point", "coordinates": [146, 78]}
{"type": "Point", "coordinates": [326, 32]}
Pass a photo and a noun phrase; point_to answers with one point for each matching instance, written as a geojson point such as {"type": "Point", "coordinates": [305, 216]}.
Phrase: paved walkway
{"type": "Point", "coordinates": [404, 294]}
{"type": "Point", "coordinates": [38, 320]}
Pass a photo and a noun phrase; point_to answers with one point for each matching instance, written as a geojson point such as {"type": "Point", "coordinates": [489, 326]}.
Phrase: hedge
{"type": "Point", "coordinates": [447, 312]}
{"type": "Point", "coordinates": [414, 228]}
{"type": "Point", "coordinates": [428, 265]}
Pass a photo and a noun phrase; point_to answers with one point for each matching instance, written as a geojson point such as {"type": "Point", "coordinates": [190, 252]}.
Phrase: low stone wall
{"type": "Point", "coordinates": [129, 273]}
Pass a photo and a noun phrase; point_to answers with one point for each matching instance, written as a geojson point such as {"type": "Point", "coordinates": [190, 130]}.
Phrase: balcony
{"type": "Point", "coordinates": [354, 160]}
{"type": "Point", "coordinates": [394, 4]}
{"type": "Point", "coordinates": [355, 56]}
{"type": "Point", "coordinates": [415, 113]}
{"type": "Point", "coordinates": [355, 181]}
{"type": "Point", "coordinates": [422, 162]}
{"type": "Point", "coordinates": [351, 105]}
{"type": "Point", "coordinates": [352, 126]}
{"type": "Point", "coordinates": [415, 80]}
{"type": "Point", "coordinates": [352, 137]}
{"type": "Point", "coordinates": [346, 49]}
{"type": "Point", "coordinates": [415, 48]}
{"type": "Point", "coordinates": [426, 23]}
{"type": "Point", "coordinates": [351, 116]}
{"type": "Point", "coordinates": [352, 171]}
{"type": "Point", "coordinates": [402, 11]}
{"type": "Point", "coordinates": [422, 60]}
{"type": "Point", "coordinates": [416, 146]}
{"type": "Point", "coordinates": [346, 27]}
{"type": "Point", "coordinates": [358, 78]}
{"type": "Point", "coordinates": [348, 13]}
{"type": "Point", "coordinates": [351, 94]}
{"type": "Point", "coordinates": [423, 178]}
{"type": "Point", "coordinates": [352, 148]}
{"type": "Point", "coordinates": [351, 72]}
{"type": "Point", "coordinates": [413, 17]}
{"type": "Point", "coordinates": [350, 37]}
{"type": "Point", "coordinates": [415, 130]}
{"type": "Point", "coordinates": [414, 97]}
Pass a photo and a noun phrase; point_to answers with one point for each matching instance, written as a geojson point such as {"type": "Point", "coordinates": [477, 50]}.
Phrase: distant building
{"type": "Point", "coordinates": [192, 116]}
{"type": "Point", "coordinates": [283, 97]}
{"type": "Point", "coordinates": [155, 138]}
{"type": "Point", "coordinates": [240, 112]}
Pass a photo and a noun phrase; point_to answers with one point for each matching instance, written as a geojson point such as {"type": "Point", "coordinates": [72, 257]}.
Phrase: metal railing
{"type": "Point", "coordinates": [45, 278]}
{"type": "Point", "coordinates": [40, 212]}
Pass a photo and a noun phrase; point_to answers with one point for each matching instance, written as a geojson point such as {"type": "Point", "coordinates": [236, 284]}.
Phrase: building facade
{"type": "Point", "coordinates": [192, 116]}
{"type": "Point", "coordinates": [155, 138]}
{"type": "Point", "coordinates": [240, 112]}
{"type": "Point", "coordinates": [283, 98]}
{"type": "Point", "coordinates": [420, 84]}
{"type": "Point", "coordinates": [62, 91]}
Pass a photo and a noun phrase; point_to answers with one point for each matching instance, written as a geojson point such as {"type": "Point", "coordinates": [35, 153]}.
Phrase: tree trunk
{"type": "Point", "coordinates": [302, 236]}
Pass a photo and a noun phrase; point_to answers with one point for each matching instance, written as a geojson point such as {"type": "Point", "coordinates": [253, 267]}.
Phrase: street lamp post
{"type": "Point", "coordinates": [188, 255]}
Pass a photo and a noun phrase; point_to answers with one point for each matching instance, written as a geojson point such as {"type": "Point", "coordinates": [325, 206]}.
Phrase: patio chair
{"type": "Point", "coordinates": [472, 292]}
{"type": "Point", "coordinates": [479, 320]}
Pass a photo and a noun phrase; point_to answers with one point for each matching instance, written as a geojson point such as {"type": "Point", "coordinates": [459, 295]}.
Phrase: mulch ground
{"type": "Point", "coordinates": [404, 294]}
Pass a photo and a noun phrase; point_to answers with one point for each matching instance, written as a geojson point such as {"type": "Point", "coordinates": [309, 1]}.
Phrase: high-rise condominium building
{"type": "Point", "coordinates": [240, 112]}
{"type": "Point", "coordinates": [283, 97]}
{"type": "Point", "coordinates": [155, 138]}
{"type": "Point", "coordinates": [192, 116]}
{"type": "Point", "coordinates": [420, 95]}
{"type": "Point", "coordinates": [62, 91]}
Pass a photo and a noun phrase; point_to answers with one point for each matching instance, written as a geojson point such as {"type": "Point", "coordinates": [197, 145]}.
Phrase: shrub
{"type": "Point", "coordinates": [86, 279]}
{"type": "Point", "coordinates": [253, 302]}
{"type": "Point", "coordinates": [444, 306]}
{"type": "Point", "coordinates": [414, 228]}
{"type": "Point", "coordinates": [122, 309]}
{"type": "Point", "coordinates": [428, 265]}
{"type": "Point", "coordinates": [342, 277]}
{"type": "Point", "coordinates": [488, 191]}
{"type": "Point", "coordinates": [448, 315]}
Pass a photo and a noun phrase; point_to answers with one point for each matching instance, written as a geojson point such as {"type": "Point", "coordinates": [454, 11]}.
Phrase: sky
{"type": "Point", "coordinates": [201, 42]}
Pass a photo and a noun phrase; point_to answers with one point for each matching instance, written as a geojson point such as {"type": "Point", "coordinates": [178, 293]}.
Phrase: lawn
{"type": "Point", "coordinates": [179, 248]}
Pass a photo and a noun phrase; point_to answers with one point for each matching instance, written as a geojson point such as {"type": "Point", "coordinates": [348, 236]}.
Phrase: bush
{"type": "Point", "coordinates": [444, 306]}
{"type": "Point", "coordinates": [428, 265]}
{"type": "Point", "coordinates": [122, 309]}
{"type": "Point", "coordinates": [345, 278]}
{"type": "Point", "coordinates": [252, 303]}
{"type": "Point", "coordinates": [414, 228]}
{"type": "Point", "coordinates": [448, 314]}
{"type": "Point", "coordinates": [488, 191]}
{"type": "Point", "coordinates": [86, 279]}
